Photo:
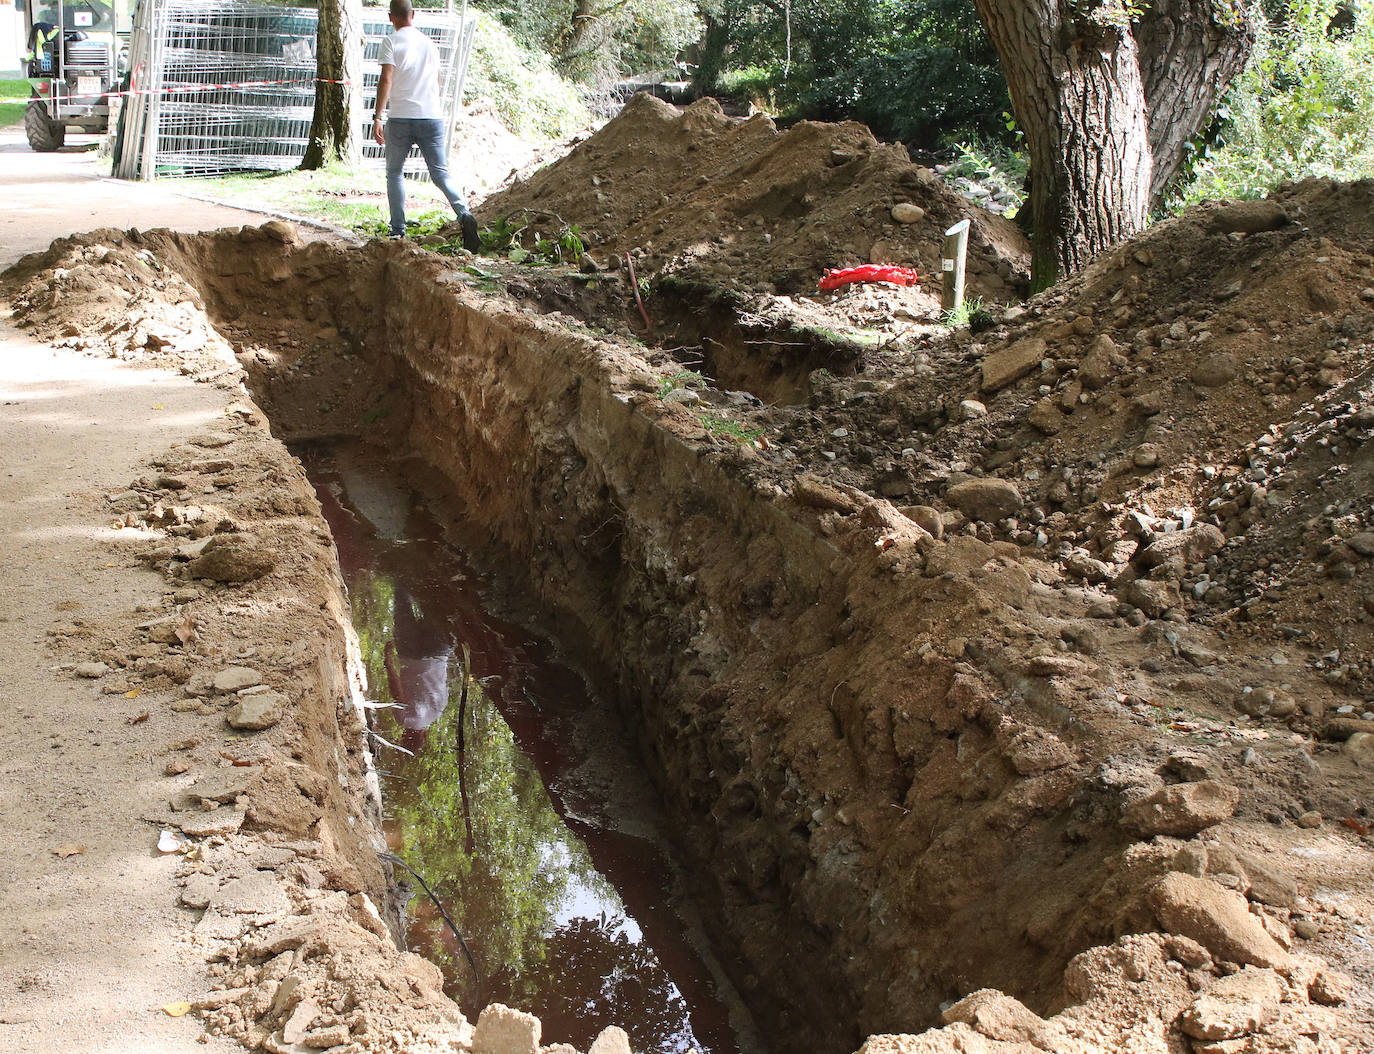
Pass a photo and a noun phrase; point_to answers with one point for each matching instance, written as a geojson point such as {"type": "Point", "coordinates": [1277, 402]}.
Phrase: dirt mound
{"type": "Point", "coordinates": [1214, 373]}
{"type": "Point", "coordinates": [742, 205]}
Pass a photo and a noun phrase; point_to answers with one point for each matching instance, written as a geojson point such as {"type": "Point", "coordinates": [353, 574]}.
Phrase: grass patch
{"type": "Point", "coordinates": [971, 314]}
{"type": "Point", "coordinates": [14, 97]}
{"type": "Point", "coordinates": [724, 428]}
{"type": "Point", "coordinates": [347, 197]}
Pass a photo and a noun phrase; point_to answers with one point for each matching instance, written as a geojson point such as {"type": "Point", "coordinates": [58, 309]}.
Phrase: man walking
{"type": "Point", "coordinates": [410, 83]}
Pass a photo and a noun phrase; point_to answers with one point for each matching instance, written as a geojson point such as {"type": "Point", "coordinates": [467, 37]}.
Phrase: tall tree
{"type": "Point", "coordinates": [338, 87]}
{"type": "Point", "coordinates": [1108, 93]}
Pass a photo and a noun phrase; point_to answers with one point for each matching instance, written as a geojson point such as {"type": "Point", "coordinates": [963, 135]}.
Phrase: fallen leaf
{"type": "Point", "coordinates": [159, 407]}
{"type": "Point", "coordinates": [1356, 826]}
{"type": "Point", "coordinates": [138, 719]}
{"type": "Point", "coordinates": [176, 1009]}
{"type": "Point", "coordinates": [134, 693]}
{"type": "Point", "coordinates": [237, 762]}
{"type": "Point", "coordinates": [65, 851]}
{"type": "Point", "coordinates": [186, 631]}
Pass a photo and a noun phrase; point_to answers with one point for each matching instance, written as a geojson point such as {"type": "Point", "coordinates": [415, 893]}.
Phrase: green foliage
{"type": "Point", "coordinates": [532, 99]}
{"type": "Point", "coordinates": [681, 379]}
{"type": "Point", "coordinates": [564, 246]}
{"type": "Point", "coordinates": [14, 97]}
{"type": "Point", "coordinates": [914, 70]}
{"type": "Point", "coordinates": [990, 161]}
{"type": "Point", "coordinates": [970, 315]}
{"type": "Point", "coordinates": [725, 428]}
{"type": "Point", "coordinates": [503, 235]}
{"type": "Point", "coordinates": [595, 40]}
{"type": "Point", "coordinates": [1303, 107]}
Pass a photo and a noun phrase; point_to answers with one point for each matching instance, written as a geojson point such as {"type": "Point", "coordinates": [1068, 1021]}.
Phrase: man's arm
{"type": "Point", "coordinates": [383, 94]}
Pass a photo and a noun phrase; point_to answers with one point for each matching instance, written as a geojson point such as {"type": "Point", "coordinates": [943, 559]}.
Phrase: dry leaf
{"type": "Point", "coordinates": [139, 718]}
{"type": "Point", "coordinates": [186, 631]}
{"type": "Point", "coordinates": [237, 762]}
{"type": "Point", "coordinates": [133, 693]}
{"type": "Point", "coordinates": [176, 1009]}
{"type": "Point", "coordinates": [72, 849]}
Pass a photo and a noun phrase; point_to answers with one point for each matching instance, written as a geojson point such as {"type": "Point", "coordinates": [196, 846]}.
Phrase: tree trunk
{"type": "Point", "coordinates": [1095, 108]}
{"type": "Point", "coordinates": [339, 83]}
{"type": "Point", "coordinates": [1190, 52]}
{"type": "Point", "coordinates": [715, 40]}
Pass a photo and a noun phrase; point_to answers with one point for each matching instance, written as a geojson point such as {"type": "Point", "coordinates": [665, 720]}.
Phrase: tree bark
{"type": "Point", "coordinates": [1190, 52]}
{"type": "Point", "coordinates": [339, 85]}
{"type": "Point", "coordinates": [1106, 111]}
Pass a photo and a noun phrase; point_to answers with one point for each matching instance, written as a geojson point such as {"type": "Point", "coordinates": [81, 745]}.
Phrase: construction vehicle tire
{"type": "Point", "coordinates": [44, 134]}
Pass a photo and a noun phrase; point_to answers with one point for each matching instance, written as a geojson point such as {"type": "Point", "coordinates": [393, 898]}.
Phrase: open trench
{"type": "Point", "coordinates": [513, 794]}
{"type": "Point", "coordinates": [873, 828]}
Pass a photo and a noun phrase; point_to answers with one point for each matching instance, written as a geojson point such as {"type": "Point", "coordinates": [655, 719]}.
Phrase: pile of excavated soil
{"type": "Point", "coordinates": [741, 205]}
{"type": "Point", "coordinates": [1184, 428]}
{"type": "Point", "coordinates": [1036, 661]}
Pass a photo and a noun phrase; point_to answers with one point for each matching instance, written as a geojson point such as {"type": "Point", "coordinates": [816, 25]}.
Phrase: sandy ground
{"type": "Point", "coordinates": [92, 947]}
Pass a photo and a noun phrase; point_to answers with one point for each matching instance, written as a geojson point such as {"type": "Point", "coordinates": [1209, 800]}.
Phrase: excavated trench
{"type": "Point", "coordinates": [512, 793]}
{"type": "Point", "coordinates": [873, 826]}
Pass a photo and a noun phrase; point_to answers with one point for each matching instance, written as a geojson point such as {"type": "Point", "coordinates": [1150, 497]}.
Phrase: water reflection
{"type": "Point", "coordinates": [481, 719]}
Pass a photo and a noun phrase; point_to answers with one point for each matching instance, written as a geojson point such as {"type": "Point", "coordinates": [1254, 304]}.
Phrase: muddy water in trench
{"type": "Point", "coordinates": [509, 791]}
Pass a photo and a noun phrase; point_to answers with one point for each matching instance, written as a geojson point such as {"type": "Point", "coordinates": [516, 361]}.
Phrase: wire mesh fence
{"type": "Point", "coordinates": [224, 86]}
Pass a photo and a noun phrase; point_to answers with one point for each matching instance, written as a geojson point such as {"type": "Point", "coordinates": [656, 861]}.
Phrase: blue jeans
{"type": "Point", "coordinates": [428, 133]}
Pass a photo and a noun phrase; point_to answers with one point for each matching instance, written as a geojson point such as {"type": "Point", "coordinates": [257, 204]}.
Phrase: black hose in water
{"type": "Point", "coordinates": [392, 858]}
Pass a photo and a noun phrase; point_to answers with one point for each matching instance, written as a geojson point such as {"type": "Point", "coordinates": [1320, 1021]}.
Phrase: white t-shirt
{"type": "Point", "coordinates": [415, 76]}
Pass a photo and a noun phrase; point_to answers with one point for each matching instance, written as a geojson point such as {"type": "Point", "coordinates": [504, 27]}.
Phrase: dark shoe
{"type": "Point", "coordinates": [472, 241]}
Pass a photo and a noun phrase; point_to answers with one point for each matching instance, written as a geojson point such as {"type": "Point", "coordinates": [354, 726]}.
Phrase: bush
{"type": "Point", "coordinates": [921, 71]}
{"type": "Point", "coordinates": [1303, 107]}
{"type": "Point", "coordinates": [531, 98]}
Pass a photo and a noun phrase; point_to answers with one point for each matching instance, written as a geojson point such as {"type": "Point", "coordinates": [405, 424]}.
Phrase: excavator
{"type": "Point", "coordinates": [75, 58]}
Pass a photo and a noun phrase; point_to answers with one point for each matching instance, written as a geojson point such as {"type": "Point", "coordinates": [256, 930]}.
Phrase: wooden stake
{"type": "Point", "coordinates": [952, 266]}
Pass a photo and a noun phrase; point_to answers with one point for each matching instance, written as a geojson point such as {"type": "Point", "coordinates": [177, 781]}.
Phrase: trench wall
{"type": "Point", "coordinates": [880, 824]}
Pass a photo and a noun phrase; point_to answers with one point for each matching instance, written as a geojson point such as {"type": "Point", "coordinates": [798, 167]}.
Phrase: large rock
{"type": "Point", "coordinates": [611, 1040]}
{"type": "Point", "coordinates": [1183, 809]}
{"type": "Point", "coordinates": [817, 493]}
{"type": "Point", "coordinates": [232, 558]}
{"type": "Point", "coordinates": [501, 1030]}
{"type": "Point", "coordinates": [998, 1016]}
{"type": "Point", "coordinates": [1269, 883]}
{"type": "Point", "coordinates": [1009, 365]}
{"type": "Point", "coordinates": [1183, 547]}
{"type": "Point", "coordinates": [1215, 370]}
{"type": "Point", "coordinates": [1234, 1006]}
{"type": "Point", "coordinates": [985, 499]}
{"type": "Point", "coordinates": [1153, 598]}
{"type": "Point", "coordinates": [234, 678]}
{"type": "Point", "coordinates": [253, 713]}
{"type": "Point", "coordinates": [215, 822]}
{"type": "Point", "coordinates": [1216, 918]}
{"type": "Point", "coordinates": [1250, 217]}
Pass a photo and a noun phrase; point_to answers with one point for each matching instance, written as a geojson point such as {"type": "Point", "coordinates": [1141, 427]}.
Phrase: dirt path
{"type": "Point", "coordinates": [93, 944]}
